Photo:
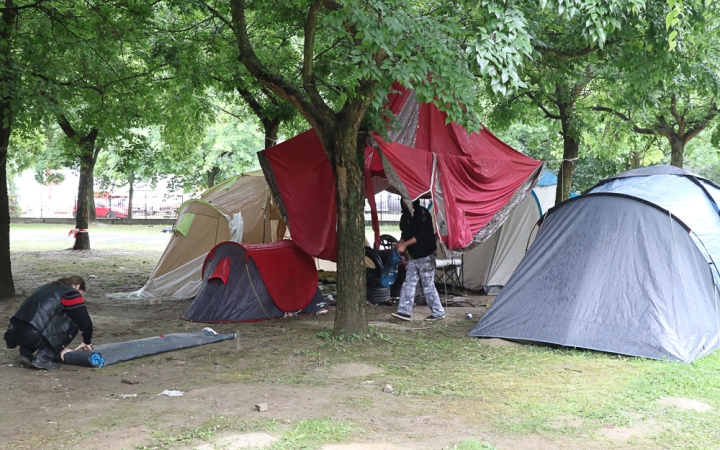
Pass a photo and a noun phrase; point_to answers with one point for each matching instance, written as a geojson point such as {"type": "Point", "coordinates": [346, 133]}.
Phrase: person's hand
{"type": "Point", "coordinates": [62, 353]}
{"type": "Point", "coordinates": [400, 247]}
{"type": "Point", "coordinates": [84, 346]}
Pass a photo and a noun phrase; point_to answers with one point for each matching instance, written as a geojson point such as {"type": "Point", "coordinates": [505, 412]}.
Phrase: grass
{"type": "Point", "coordinates": [563, 395]}
{"type": "Point", "coordinates": [473, 445]}
{"type": "Point", "coordinates": [54, 237]}
{"type": "Point", "coordinates": [303, 435]}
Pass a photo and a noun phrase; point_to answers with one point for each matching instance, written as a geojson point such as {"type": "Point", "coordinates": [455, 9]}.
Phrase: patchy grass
{"type": "Point", "coordinates": [313, 434]}
{"type": "Point", "coordinates": [53, 237]}
{"type": "Point", "coordinates": [569, 397]}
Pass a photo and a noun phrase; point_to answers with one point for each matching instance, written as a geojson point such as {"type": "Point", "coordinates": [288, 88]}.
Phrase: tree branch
{"type": "Point", "coordinates": [636, 128]}
{"type": "Point", "coordinates": [19, 7]}
{"type": "Point", "coordinates": [274, 82]}
{"type": "Point", "coordinates": [308, 50]}
{"type": "Point", "coordinates": [694, 131]}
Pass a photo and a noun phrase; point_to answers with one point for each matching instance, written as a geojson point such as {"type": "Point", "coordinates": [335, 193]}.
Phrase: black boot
{"type": "Point", "coordinates": [44, 359]}
{"type": "Point", "coordinates": [25, 357]}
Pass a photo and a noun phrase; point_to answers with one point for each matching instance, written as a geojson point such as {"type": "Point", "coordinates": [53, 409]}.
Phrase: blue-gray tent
{"type": "Point", "coordinates": [628, 267]}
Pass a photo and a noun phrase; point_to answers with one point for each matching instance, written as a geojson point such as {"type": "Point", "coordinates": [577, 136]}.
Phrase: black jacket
{"type": "Point", "coordinates": [420, 227]}
{"type": "Point", "coordinates": [43, 311]}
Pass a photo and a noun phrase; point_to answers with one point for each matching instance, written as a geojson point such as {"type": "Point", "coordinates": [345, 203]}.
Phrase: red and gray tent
{"type": "Point", "coordinates": [253, 282]}
{"type": "Point", "coordinates": [474, 179]}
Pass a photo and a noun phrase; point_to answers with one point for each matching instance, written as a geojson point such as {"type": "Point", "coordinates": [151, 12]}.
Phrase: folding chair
{"type": "Point", "coordinates": [449, 272]}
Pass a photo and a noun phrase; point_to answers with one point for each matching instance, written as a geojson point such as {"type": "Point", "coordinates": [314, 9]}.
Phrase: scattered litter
{"type": "Point", "coordinates": [210, 330]}
{"type": "Point", "coordinates": [322, 312]}
{"type": "Point", "coordinates": [121, 268]}
{"type": "Point", "coordinates": [468, 316]}
{"type": "Point", "coordinates": [10, 365]}
{"type": "Point", "coordinates": [128, 395]}
{"type": "Point", "coordinates": [93, 276]}
{"type": "Point", "coordinates": [126, 381]}
{"type": "Point", "coordinates": [262, 407]}
{"type": "Point", "coordinates": [172, 393]}
{"type": "Point", "coordinates": [155, 301]}
{"type": "Point", "coordinates": [368, 382]}
{"type": "Point", "coordinates": [50, 421]}
{"type": "Point", "coordinates": [388, 389]}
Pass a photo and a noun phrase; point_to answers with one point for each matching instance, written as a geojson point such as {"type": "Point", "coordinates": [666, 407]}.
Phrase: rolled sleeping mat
{"type": "Point", "coordinates": [106, 354]}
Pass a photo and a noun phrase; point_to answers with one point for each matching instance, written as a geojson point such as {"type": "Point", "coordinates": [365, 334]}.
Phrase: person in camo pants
{"type": "Point", "coordinates": [418, 241]}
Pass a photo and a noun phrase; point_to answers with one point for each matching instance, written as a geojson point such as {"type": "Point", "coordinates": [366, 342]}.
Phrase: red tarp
{"type": "Point", "coordinates": [479, 176]}
{"type": "Point", "coordinates": [307, 187]}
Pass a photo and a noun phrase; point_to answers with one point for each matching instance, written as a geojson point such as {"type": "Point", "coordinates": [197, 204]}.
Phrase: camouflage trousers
{"type": "Point", "coordinates": [422, 270]}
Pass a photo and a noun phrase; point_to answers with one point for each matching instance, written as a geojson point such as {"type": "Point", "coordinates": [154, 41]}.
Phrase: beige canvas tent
{"type": "Point", "coordinates": [238, 209]}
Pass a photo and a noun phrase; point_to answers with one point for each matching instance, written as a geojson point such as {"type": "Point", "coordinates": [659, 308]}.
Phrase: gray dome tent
{"type": "Point", "coordinates": [628, 267]}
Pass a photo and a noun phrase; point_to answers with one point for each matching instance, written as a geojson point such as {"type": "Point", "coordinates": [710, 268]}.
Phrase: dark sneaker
{"type": "Point", "coordinates": [44, 359]}
{"type": "Point", "coordinates": [24, 357]}
{"type": "Point", "coordinates": [401, 316]}
{"type": "Point", "coordinates": [45, 365]}
{"type": "Point", "coordinates": [434, 318]}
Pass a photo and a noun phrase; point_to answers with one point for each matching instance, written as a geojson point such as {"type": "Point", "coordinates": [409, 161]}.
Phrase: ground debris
{"type": "Point", "coordinates": [262, 407]}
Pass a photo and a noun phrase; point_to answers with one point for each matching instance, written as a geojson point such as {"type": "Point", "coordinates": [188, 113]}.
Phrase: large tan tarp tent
{"type": "Point", "coordinates": [238, 209]}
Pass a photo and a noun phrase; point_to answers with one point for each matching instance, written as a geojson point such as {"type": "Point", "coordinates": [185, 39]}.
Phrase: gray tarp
{"type": "Point", "coordinates": [106, 354]}
{"type": "Point", "coordinates": [614, 274]}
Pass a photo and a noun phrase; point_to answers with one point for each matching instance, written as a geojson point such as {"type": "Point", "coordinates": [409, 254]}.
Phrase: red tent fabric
{"type": "Point", "coordinates": [474, 179]}
{"type": "Point", "coordinates": [288, 272]}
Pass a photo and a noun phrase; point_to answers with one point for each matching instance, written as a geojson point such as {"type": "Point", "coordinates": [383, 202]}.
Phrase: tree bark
{"type": "Point", "coordinates": [211, 175]}
{"type": "Point", "coordinates": [7, 285]}
{"type": "Point", "coordinates": [131, 193]}
{"type": "Point", "coordinates": [571, 147]}
{"type": "Point", "coordinates": [87, 167]}
{"type": "Point", "coordinates": [351, 314]}
{"type": "Point", "coordinates": [271, 127]}
{"type": "Point", "coordinates": [677, 150]}
{"type": "Point", "coordinates": [87, 157]}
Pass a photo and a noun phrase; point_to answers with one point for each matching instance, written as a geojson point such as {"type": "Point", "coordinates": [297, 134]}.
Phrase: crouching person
{"type": "Point", "coordinates": [48, 321]}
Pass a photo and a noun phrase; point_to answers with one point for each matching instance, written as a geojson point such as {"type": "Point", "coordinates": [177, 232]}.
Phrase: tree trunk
{"type": "Point", "coordinates": [677, 151]}
{"type": "Point", "coordinates": [7, 286]}
{"type": "Point", "coordinates": [92, 212]}
{"type": "Point", "coordinates": [351, 315]}
{"type": "Point", "coordinates": [211, 175]}
{"type": "Point", "coordinates": [87, 167]}
{"type": "Point", "coordinates": [571, 148]}
{"type": "Point", "coordinates": [271, 127]}
{"type": "Point", "coordinates": [9, 16]}
{"type": "Point", "coordinates": [131, 192]}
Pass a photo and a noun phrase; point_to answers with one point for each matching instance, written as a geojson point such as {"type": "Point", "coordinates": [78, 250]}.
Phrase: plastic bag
{"type": "Point", "coordinates": [390, 269]}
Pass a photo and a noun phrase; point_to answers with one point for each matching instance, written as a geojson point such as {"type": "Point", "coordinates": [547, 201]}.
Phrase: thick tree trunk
{"type": "Point", "coordinates": [271, 127]}
{"type": "Point", "coordinates": [677, 151]}
{"type": "Point", "coordinates": [7, 286]}
{"type": "Point", "coordinates": [571, 148]}
{"type": "Point", "coordinates": [9, 16]}
{"type": "Point", "coordinates": [211, 175]}
{"type": "Point", "coordinates": [131, 193]}
{"type": "Point", "coordinates": [92, 212]}
{"type": "Point", "coordinates": [88, 157]}
{"type": "Point", "coordinates": [351, 315]}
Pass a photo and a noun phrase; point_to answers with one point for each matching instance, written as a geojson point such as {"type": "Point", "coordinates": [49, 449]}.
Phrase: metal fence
{"type": "Point", "coordinates": [388, 207]}
{"type": "Point", "coordinates": [107, 207]}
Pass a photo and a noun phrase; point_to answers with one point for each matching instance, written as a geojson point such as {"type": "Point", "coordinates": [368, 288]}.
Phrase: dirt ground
{"type": "Point", "coordinates": [282, 363]}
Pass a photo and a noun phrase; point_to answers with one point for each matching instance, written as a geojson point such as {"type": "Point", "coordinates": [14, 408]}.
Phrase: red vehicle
{"type": "Point", "coordinates": [102, 209]}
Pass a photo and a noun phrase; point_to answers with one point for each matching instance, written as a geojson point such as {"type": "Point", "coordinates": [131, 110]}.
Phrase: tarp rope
{"type": "Point", "coordinates": [255, 292]}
